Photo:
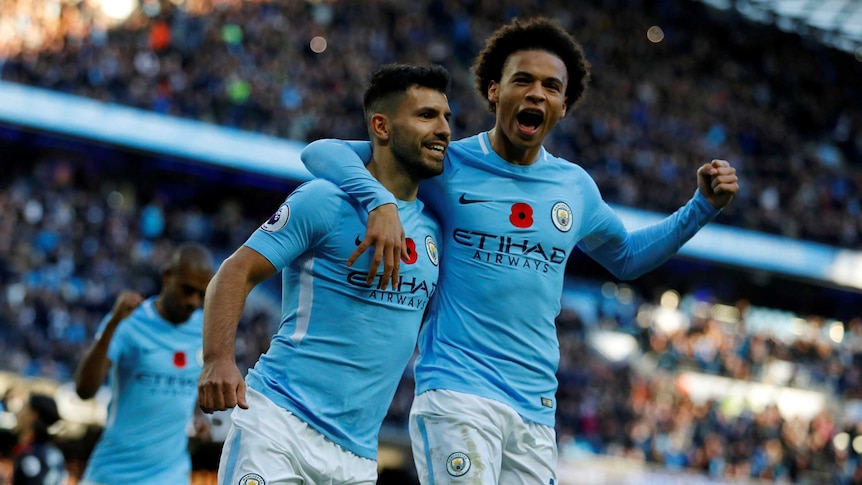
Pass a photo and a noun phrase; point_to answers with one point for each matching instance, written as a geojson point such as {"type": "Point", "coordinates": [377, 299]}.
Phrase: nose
{"type": "Point", "coordinates": [196, 299]}
{"type": "Point", "coordinates": [442, 128]}
{"type": "Point", "coordinates": [536, 92]}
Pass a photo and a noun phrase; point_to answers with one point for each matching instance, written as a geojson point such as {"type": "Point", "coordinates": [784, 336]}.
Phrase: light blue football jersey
{"type": "Point", "coordinates": [153, 377]}
{"type": "Point", "coordinates": [342, 345]}
{"type": "Point", "coordinates": [508, 233]}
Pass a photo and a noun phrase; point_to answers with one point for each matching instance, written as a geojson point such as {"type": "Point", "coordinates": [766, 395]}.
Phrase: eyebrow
{"type": "Point", "coordinates": [428, 109]}
{"type": "Point", "coordinates": [529, 74]}
{"type": "Point", "coordinates": [190, 288]}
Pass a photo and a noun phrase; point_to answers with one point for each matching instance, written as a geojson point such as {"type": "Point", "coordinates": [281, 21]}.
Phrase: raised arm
{"type": "Point", "coordinates": [628, 255]}
{"type": "Point", "coordinates": [94, 367]}
{"type": "Point", "coordinates": [221, 385]}
{"type": "Point", "coordinates": [343, 163]}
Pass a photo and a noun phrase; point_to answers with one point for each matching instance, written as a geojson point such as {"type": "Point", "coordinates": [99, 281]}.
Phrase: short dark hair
{"type": "Point", "coordinates": [194, 255]}
{"type": "Point", "coordinates": [539, 33]}
{"type": "Point", "coordinates": [393, 80]}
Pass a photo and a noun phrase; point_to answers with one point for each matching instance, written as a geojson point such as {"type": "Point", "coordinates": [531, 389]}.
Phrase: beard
{"type": "Point", "coordinates": [414, 160]}
{"type": "Point", "coordinates": [176, 311]}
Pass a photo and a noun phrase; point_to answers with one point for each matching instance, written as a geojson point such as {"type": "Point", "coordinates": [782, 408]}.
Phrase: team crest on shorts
{"type": "Point", "coordinates": [277, 220]}
{"type": "Point", "coordinates": [252, 479]}
{"type": "Point", "coordinates": [561, 214]}
{"type": "Point", "coordinates": [458, 464]}
{"type": "Point", "coordinates": [431, 249]}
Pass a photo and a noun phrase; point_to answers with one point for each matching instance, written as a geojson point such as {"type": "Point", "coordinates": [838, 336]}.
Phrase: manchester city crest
{"type": "Point", "coordinates": [431, 249]}
{"type": "Point", "coordinates": [561, 214]}
{"type": "Point", "coordinates": [458, 464]}
{"type": "Point", "coordinates": [252, 479]}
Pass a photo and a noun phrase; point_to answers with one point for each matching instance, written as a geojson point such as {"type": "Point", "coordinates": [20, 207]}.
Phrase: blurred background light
{"type": "Point", "coordinates": [655, 34]}
{"type": "Point", "coordinates": [318, 44]}
{"type": "Point", "coordinates": [118, 10]}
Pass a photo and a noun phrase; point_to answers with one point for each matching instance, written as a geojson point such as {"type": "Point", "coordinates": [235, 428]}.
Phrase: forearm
{"type": "Point", "coordinates": [629, 255]}
{"type": "Point", "coordinates": [223, 308]}
{"type": "Point", "coordinates": [94, 367]}
{"type": "Point", "coordinates": [343, 163]}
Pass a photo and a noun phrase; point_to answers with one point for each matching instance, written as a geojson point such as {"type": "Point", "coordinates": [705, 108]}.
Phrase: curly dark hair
{"type": "Point", "coordinates": [539, 33]}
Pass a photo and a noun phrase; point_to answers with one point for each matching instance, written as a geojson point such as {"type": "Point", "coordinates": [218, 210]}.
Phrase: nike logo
{"type": "Point", "coordinates": [465, 200]}
{"type": "Point", "coordinates": [358, 241]}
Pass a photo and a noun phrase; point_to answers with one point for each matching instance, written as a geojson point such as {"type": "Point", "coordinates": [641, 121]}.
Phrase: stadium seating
{"type": "Point", "coordinates": [79, 224]}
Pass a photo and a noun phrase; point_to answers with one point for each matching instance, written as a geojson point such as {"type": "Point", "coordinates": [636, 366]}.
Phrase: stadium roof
{"type": "Point", "coordinates": [834, 22]}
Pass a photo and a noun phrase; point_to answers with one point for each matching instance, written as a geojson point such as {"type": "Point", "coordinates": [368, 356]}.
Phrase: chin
{"type": "Point", "coordinates": [527, 141]}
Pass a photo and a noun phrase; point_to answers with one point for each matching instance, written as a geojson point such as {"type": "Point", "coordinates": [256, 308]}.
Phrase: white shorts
{"type": "Point", "coordinates": [267, 444]}
{"type": "Point", "coordinates": [461, 438]}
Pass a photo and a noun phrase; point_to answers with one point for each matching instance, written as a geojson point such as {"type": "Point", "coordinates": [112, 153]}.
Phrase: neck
{"type": "Point", "coordinates": [510, 152]}
{"type": "Point", "coordinates": [160, 309]}
{"type": "Point", "coordinates": [392, 175]}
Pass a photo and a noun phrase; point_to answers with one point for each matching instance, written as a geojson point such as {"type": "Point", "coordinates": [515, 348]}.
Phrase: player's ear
{"type": "Point", "coordinates": [493, 94]}
{"type": "Point", "coordinates": [379, 125]}
{"type": "Point", "coordinates": [167, 272]}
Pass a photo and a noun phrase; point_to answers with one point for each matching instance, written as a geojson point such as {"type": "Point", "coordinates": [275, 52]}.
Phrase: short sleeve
{"type": "Point", "coordinates": [299, 224]}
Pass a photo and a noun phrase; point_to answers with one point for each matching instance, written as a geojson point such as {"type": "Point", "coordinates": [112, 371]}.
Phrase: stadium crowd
{"type": "Point", "coordinates": [77, 244]}
{"type": "Point", "coordinates": [73, 239]}
{"type": "Point", "coordinates": [786, 110]}
{"type": "Point", "coordinates": [80, 236]}
{"type": "Point", "coordinates": [787, 113]}
{"type": "Point", "coordinates": [653, 415]}
{"type": "Point", "coordinates": [641, 409]}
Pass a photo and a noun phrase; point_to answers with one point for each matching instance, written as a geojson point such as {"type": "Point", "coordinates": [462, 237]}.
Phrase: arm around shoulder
{"type": "Point", "coordinates": [343, 163]}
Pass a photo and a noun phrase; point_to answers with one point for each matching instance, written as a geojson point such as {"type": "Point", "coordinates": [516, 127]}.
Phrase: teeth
{"type": "Point", "coordinates": [436, 148]}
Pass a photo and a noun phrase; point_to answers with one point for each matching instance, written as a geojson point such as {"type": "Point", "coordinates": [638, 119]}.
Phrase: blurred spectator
{"type": "Point", "coordinates": [623, 410]}
{"type": "Point", "coordinates": [783, 109]}
{"type": "Point", "coordinates": [37, 460]}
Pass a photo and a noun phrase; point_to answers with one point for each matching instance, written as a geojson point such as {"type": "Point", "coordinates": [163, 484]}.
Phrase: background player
{"type": "Point", "coordinates": [153, 349]}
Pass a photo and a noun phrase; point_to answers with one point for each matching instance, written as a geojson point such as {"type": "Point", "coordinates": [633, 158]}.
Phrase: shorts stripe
{"type": "Point", "coordinates": [233, 455]}
{"type": "Point", "coordinates": [428, 463]}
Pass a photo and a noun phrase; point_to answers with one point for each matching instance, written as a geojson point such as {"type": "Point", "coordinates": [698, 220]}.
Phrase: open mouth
{"type": "Point", "coordinates": [530, 120]}
{"type": "Point", "coordinates": [437, 149]}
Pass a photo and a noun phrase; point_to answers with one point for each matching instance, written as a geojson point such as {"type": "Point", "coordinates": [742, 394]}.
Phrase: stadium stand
{"type": "Point", "coordinates": [737, 376]}
{"type": "Point", "coordinates": [784, 107]}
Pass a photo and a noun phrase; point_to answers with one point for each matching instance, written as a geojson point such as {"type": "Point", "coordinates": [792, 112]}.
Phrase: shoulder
{"type": "Point", "coordinates": [314, 206]}
{"type": "Point", "coordinates": [568, 170]}
{"type": "Point", "coordinates": [315, 197]}
{"type": "Point", "coordinates": [467, 141]}
{"type": "Point", "coordinates": [466, 145]}
{"type": "Point", "coordinates": [466, 151]}
{"type": "Point", "coordinates": [564, 165]}
{"type": "Point", "coordinates": [318, 188]}
{"type": "Point", "coordinates": [196, 320]}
